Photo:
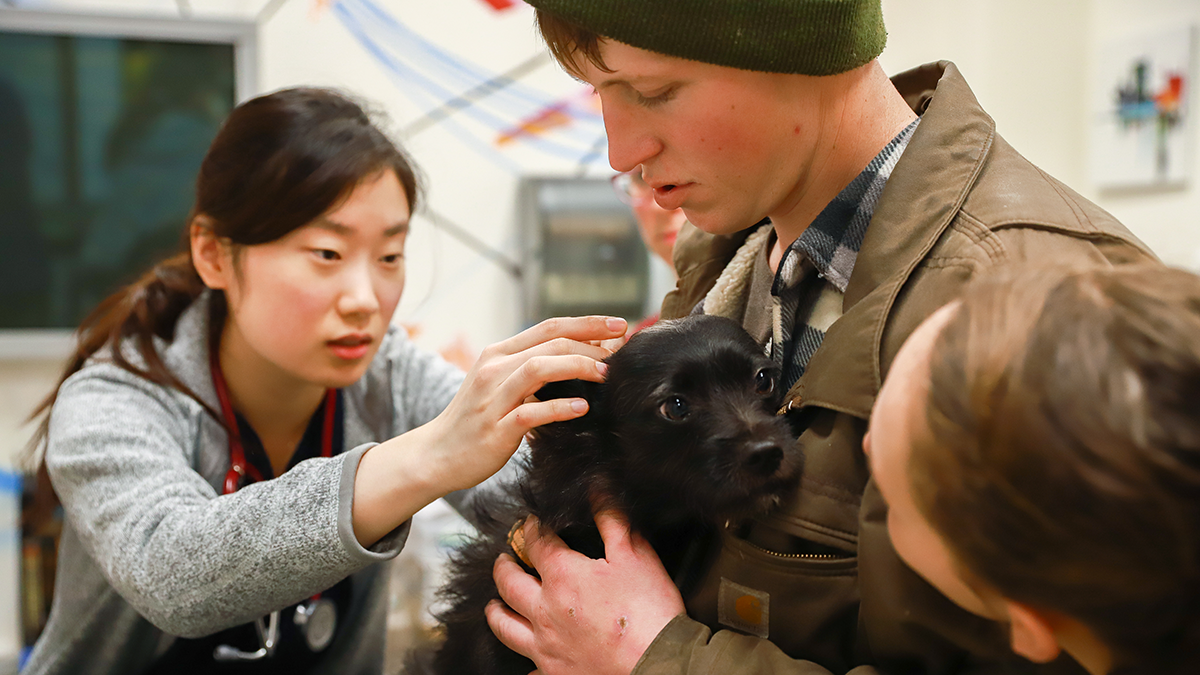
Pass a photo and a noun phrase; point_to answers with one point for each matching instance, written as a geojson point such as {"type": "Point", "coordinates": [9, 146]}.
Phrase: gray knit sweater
{"type": "Point", "coordinates": [152, 550]}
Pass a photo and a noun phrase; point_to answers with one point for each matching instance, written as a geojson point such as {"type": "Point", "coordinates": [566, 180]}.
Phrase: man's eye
{"type": "Point", "coordinates": [326, 254]}
{"type": "Point", "coordinates": [392, 259]}
{"type": "Point", "coordinates": [674, 409]}
{"type": "Point", "coordinates": [656, 100]}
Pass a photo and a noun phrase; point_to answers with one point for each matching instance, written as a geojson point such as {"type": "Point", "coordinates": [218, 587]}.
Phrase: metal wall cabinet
{"type": "Point", "coordinates": [581, 251]}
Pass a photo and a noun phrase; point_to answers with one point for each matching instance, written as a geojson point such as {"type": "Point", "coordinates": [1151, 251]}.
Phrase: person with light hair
{"type": "Point", "coordinates": [1038, 445]}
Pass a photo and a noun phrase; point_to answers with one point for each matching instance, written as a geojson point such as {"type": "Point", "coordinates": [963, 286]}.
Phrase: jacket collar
{"type": "Point", "coordinates": [187, 354]}
{"type": "Point", "coordinates": [931, 180]}
{"type": "Point", "coordinates": [926, 190]}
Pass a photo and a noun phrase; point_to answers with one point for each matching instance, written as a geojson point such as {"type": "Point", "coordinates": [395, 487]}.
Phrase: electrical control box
{"type": "Point", "coordinates": [581, 251]}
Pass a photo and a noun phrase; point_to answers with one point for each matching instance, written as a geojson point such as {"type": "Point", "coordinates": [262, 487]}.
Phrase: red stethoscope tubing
{"type": "Point", "coordinates": [238, 466]}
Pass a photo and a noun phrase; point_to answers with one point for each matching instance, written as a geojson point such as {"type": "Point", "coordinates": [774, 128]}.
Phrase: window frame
{"type": "Point", "coordinates": [242, 34]}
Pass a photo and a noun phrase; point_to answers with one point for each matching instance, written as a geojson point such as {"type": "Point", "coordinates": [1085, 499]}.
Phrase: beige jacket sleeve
{"type": "Point", "coordinates": [687, 646]}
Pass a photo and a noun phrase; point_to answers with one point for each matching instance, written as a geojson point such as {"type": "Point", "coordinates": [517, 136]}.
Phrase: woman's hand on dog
{"type": "Point", "coordinates": [495, 408]}
{"type": "Point", "coordinates": [592, 617]}
{"type": "Point", "coordinates": [483, 425]}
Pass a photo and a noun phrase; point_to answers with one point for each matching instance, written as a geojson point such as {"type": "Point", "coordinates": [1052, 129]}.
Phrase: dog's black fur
{"type": "Point", "coordinates": [682, 436]}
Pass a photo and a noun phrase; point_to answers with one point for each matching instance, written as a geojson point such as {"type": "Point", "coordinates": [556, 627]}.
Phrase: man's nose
{"type": "Point", "coordinates": [630, 142]}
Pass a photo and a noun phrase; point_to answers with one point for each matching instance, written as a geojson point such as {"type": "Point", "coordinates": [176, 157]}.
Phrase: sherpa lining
{"type": "Point", "coordinates": [727, 297]}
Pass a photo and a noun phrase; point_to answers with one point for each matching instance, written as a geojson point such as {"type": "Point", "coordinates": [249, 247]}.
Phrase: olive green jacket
{"type": "Point", "coordinates": [818, 576]}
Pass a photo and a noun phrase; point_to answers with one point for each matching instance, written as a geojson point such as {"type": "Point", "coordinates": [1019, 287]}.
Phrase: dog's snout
{"type": "Point", "coordinates": [764, 457]}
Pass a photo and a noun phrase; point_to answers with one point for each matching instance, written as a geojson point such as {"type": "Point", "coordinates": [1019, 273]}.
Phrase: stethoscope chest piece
{"type": "Point", "coordinates": [317, 620]}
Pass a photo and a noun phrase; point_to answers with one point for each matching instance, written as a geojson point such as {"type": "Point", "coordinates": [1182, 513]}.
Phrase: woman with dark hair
{"type": "Point", "coordinates": [1038, 444]}
{"type": "Point", "coordinates": [212, 437]}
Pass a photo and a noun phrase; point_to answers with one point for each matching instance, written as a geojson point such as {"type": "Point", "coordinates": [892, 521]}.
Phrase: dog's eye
{"type": "Point", "coordinates": [764, 382]}
{"type": "Point", "coordinates": [674, 408]}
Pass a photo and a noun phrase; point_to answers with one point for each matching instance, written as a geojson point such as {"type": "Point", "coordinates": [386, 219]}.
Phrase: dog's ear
{"type": "Point", "coordinates": [571, 389]}
{"type": "Point", "coordinates": [585, 425]}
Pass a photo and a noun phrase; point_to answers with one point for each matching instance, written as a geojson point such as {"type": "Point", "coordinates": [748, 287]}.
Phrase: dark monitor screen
{"type": "Point", "coordinates": [100, 142]}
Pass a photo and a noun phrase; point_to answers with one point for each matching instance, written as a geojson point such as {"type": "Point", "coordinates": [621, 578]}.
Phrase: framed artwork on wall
{"type": "Point", "coordinates": [1143, 125]}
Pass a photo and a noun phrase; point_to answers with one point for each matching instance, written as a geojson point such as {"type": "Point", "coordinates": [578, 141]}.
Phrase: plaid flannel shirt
{"type": "Point", "coordinates": [812, 276]}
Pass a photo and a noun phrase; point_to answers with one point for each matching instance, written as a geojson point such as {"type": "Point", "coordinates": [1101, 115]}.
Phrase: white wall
{"type": "Point", "coordinates": [1024, 59]}
{"type": "Point", "coordinates": [453, 293]}
{"type": "Point", "coordinates": [1028, 61]}
{"type": "Point", "coordinates": [1031, 63]}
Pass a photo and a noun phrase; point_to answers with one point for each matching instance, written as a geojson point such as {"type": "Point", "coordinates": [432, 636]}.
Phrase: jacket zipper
{"type": "Point", "coordinates": [797, 556]}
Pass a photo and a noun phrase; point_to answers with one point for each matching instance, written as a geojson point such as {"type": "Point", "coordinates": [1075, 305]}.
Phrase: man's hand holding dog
{"type": "Point", "coordinates": [592, 617]}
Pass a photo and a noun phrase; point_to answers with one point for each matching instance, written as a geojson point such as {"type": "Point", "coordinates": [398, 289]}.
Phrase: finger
{"type": "Point", "coordinates": [542, 544]}
{"type": "Point", "coordinates": [497, 370]}
{"type": "Point", "coordinates": [528, 416]}
{"type": "Point", "coordinates": [562, 345]}
{"type": "Point", "coordinates": [615, 532]}
{"type": "Point", "coordinates": [519, 589]}
{"type": "Point", "coordinates": [582, 328]}
{"type": "Point", "coordinates": [512, 629]}
{"type": "Point", "coordinates": [540, 370]}
{"type": "Point", "coordinates": [613, 344]}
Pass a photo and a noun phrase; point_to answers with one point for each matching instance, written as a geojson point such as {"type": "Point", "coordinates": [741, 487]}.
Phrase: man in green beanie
{"type": "Point", "coordinates": [833, 210]}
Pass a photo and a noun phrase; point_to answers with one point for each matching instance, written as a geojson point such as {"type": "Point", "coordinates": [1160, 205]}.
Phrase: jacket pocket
{"type": "Point", "coordinates": [806, 603]}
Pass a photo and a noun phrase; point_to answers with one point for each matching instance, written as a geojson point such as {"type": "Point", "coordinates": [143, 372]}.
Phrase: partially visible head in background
{"type": "Point", "coordinates": [1038, 444]}
{"type": "Point", "coordinates": [659, 227]}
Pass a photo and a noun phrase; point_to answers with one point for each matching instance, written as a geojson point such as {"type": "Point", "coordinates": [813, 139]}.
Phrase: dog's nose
{"type": "Point", "coordinates": [764, 457]}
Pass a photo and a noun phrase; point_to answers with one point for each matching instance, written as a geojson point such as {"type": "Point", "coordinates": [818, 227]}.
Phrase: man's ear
{"type": "Point", "coordinates": [211, 254]}
{"type": "Point", "coordinates": [1031, 632]}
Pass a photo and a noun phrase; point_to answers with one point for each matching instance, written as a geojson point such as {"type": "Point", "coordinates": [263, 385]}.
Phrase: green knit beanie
{"type": "Point", "coordinates": [812, 37]}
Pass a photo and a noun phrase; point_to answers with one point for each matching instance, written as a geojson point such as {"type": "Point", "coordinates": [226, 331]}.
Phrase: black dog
{"type": "Point", "coordinates": [682, 436]}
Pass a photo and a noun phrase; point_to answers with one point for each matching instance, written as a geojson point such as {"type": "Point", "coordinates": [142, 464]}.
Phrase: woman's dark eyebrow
{"type": "Point", "coordinates": [334, 227]}
{"type": "Point", "coordinates": [345, 231]}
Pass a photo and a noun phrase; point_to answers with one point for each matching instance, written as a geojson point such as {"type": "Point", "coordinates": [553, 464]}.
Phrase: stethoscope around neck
{"type": "Point", "coordinates": [316, 617]}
